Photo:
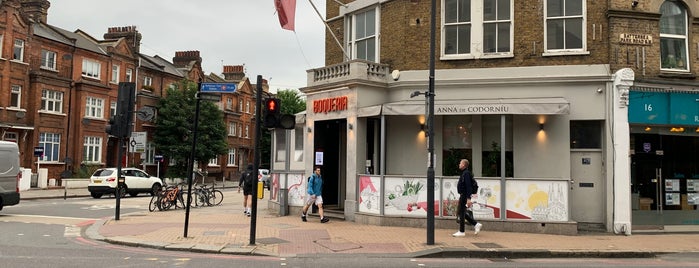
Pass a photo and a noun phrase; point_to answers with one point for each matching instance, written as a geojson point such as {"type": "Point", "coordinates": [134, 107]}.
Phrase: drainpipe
{"type": "Point", "coordinates": [70, 104]}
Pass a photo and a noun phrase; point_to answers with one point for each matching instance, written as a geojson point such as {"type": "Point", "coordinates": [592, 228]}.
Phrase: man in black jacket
{"type": "Point", "coordinates": [465, 189]}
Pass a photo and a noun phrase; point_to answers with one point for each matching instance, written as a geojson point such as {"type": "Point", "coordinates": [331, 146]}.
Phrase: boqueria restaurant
{"type": "Point", "coordinates": [536, 146]}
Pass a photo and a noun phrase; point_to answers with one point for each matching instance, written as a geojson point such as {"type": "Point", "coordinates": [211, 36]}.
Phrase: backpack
{"type": "Point", "coordinates": [474, 185]}
{"type": "Point", "coordinates": [248, 179]}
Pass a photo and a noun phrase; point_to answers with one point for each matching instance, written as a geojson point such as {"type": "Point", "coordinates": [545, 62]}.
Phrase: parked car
{"type": "Point", "coordinates": [104, 181]}
{"type": "Point", "coordinates": [9, 174]}
{"type": "Point", "coordinates": [264, 177]}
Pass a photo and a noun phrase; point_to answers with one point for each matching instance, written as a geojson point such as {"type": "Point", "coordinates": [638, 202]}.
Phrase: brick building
{"type": "Point", "coordinates": [59, 88]}
{"type": "Point", "coordinates": [574, 114]}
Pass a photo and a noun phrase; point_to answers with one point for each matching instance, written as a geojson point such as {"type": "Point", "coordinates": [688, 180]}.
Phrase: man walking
{"type": "Point", "coordinates": [314, 195]}
{"type": "Point", "coordinates": [465, 189]}
{"type": "Point", "coordinates": [246, 182]}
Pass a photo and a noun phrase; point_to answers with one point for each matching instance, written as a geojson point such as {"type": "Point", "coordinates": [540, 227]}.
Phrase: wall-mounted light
{"type": "Point", "coordinates": [309, 129]}
{"type": "Point", "coordinates": [422, 127]}
{"type": "Point", "coordinates": [677, 129]}
{"type": "Point", "coordinates": [634, 4]}
{"type": "Point", "coordinates": [647, 129]}
{"type": "Point", "coordinates": [541, 126]}
{"type": "Point", "coordinates": [350, 126]}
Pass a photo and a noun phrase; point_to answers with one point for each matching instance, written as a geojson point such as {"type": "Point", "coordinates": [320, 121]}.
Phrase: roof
{"type": "Point", "coordinates": [158, 63]}
{"type": "Point", "coordinates": [78, 38]}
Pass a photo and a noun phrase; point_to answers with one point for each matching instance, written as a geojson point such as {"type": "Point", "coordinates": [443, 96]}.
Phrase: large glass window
{"type": "Point", "coordinates": [673, 37]}
{"type": "Point", "coordinates": [94, 107]}
{"type": "Point", "coordinates": [496, 26]}
{"type": "Point", "coordinates": [92, 150]}
{"type": "Point", "coordinates": [565, 25]}
{"type": "Point", "coordinates": [492, 146]}
{"type": "Point", "coordinates": [363, 35]}
{"type": "Point", "coordinates": [457, 27]}
{"type": "Point", "coordinates": [48, 59]}
{"type": "Point", "coordinates": [52, 145]}
{"type": "Point", "coordinates": [51, 101]}
{"type": "Point", "coordinates": [457, 143]}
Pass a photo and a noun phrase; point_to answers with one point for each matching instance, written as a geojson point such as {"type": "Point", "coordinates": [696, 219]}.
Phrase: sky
{"type": "Point", "coordinates": [226, 32]}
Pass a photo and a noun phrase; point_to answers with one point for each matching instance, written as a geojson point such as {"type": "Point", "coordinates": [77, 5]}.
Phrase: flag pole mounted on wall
{"type": "Point", "coordinates": [286, 10]}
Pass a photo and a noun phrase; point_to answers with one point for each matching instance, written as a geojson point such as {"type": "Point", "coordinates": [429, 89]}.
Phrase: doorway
{"type": "Point", "coordinates": [329, 147]}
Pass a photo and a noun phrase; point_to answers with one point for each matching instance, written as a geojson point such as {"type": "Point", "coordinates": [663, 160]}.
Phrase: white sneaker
{"type": "Point", "coordinates": [477, 228]}
{"type": "Point", "coordinates": [457, 234]}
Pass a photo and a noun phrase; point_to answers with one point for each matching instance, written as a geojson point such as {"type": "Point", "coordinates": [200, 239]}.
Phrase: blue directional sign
{"type": "Point", "coordinates": [219, 87]}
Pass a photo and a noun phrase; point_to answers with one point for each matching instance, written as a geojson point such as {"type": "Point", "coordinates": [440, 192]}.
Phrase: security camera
{"type": "Point", "coordinates": [599, 90]}
{"type": "Point", "coordinates": [634, 3]}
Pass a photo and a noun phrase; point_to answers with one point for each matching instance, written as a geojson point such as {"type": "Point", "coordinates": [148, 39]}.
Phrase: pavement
{"type": "Point", "coordinates": [225, 229]}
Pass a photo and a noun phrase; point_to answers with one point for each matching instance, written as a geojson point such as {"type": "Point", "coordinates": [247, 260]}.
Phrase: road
{"type": "Point", "coordinates": [51, 233]}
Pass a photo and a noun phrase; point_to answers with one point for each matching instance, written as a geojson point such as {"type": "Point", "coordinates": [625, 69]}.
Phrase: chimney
{"type": "Point", "coordinates": [133, 37]}
{"type": "Point", "coordinates": [36, 10]}
{"type": "Point", "coordinates": [183, 58]}
{"type": "Point", "coordinates": [233, 72]}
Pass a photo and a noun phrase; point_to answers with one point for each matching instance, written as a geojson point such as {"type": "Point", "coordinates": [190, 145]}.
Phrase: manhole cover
{"type": "Point", "coordinates": [271, 240]}
{"type": "Point", "coordinates": [487, 245]}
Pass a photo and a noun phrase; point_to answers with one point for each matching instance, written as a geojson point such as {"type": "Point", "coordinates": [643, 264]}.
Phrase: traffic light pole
{"type": "Point", "coordinates": [256, 158]}
{"type": "Point", "coordinates": [119, 187]}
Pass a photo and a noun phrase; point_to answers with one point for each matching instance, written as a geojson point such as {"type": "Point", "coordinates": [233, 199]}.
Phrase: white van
{"type": "Point", "coordinates": [9, 174]}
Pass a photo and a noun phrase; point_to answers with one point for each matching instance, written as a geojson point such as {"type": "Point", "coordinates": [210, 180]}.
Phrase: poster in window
{"type": "Point", "coordinates": [672, 185]}
{"type": "Point", "coordinates": [672, 198]}
{"type": "Point", "coordinates": [691, 185]}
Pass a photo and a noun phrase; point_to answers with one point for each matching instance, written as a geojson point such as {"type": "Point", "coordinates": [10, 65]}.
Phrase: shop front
{"type": "Point", "coordinates": [664, 144]}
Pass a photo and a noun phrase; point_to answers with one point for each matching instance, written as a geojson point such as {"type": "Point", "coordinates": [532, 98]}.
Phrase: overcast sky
{"type": "Point", "coordinates": [226, 32]}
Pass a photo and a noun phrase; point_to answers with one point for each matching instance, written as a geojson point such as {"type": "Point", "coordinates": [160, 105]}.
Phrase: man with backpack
{"type": "Point", "coordinates": [246, 182]}
{"type": "Point", "coordinates": [314, 194]}
{"type": "Point", "coordinates": [465, 187]}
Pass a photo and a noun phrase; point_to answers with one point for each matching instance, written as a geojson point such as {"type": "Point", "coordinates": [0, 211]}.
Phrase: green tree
{"type": "Point", "coordinates": [175, 124]}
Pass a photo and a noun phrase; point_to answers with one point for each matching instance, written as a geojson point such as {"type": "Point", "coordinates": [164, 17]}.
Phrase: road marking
{"type": "Point", "coordinates": [71, 231]}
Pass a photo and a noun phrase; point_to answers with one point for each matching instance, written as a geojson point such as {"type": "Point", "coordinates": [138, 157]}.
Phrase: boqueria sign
{"type": "Point", "coordinates": [330, 104]}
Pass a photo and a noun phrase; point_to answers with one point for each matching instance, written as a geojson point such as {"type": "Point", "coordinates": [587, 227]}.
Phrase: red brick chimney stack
{"type": "Point", "coordinates": [37, 10]}
{"type": "Point", "coordinates": [133, 37]}
{"type": "Point", "coordinates": [183, 58]}
{"type": "Point", "coordinates": [233, 72]}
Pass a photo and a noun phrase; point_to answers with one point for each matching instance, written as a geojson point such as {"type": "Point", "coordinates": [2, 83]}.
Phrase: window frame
{"type": "Point", "coordinates": [51, 154]}
{"type": "Point", "coordinates": [45, 55]}
{"type": "Point", "coordinates": [51, 98]}
{"type": "Point", "coordinates": [92, 150]}
{"type": "Point", "coordinates": [91, 69]}
{"type": "Point", "coordinates": [231, 157]}
{"type": "Point", "coordinates": [15, 96]}
{"type": "Point", "coordinates": [17, 46]}
{"type": "Point", "coordinates": [149, 153]}
{"type": "Point", "coordinates": [147, 81]}
{"type": "Point", "coordinates": [669, 36]}
{"type": "Point", "coordinates": [232, 127]}
{"type": "Point", "coordinates": [115, 74]}
{"type": "Point", "coordinates": [129, 75]}
{"type": "Point", "coordinates": [94, 107]}
{"type": "Point", "coordinates": [476, 37]}
{"type": "Point", "coordinates": [353, 40]}
{"type": "Point", "coordinates": [565, 50]}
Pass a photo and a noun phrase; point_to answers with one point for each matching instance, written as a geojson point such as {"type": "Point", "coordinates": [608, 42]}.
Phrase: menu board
{"type": "Point", "coordinates": [672, 185]}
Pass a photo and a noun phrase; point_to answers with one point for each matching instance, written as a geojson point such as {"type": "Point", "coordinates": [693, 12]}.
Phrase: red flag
{"type": "Point", "coordinates": [286, 10]}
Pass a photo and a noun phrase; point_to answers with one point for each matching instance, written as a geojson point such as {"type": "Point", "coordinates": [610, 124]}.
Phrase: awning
{"type": "Point", "coordinates": [369, 111]}
{"type": "Point", "coordinates": [555, 105]}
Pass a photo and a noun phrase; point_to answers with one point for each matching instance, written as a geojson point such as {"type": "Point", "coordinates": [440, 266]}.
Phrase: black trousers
{"type": "Point", "coordinates": [463, 214]}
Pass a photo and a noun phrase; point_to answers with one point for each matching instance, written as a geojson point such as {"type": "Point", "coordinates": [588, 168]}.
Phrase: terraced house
{"type": "Point", "coordinates": [58, 89]}
{"type": "Point", "coordinates": [575, 114]}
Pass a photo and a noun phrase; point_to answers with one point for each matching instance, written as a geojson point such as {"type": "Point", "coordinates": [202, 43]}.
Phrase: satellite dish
{"type": "Point", "coordinates": [146, 114]}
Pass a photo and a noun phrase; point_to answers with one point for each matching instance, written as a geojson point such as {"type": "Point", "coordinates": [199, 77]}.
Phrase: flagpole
{"type": "Point", "coordinates": [329, 30]}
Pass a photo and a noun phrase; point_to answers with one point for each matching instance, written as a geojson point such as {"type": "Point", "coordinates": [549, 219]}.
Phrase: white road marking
{"type": "Point", "coordinates": [71, 231]}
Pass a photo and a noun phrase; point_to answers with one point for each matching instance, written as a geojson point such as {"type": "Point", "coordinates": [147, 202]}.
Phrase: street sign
{"type": "Point", "coordinates": [158, 158]}
{"type": "Point", "coordinates": [219, 87]}
{"type": "Point", "coordinates": [209, 97]}
{"type": "Point", "coordinates": [137, 143]}
{"type": "Point", "coordinates": [39, 151]}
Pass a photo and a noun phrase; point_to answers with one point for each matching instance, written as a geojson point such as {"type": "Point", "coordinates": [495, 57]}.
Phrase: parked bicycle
{"type": "Point", "coordinates": [171, 195]}
{"type": "Point", "coordinates": [206, 195]}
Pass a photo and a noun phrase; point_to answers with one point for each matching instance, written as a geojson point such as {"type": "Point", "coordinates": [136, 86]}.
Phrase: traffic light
{"type": "Point", "coordinates": [113, 127]}
{"type": "Point", "coordinates": [273, 117]}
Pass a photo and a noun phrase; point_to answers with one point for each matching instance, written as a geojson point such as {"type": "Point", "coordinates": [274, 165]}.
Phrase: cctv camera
{"type": "Point", "coordinates": [599, 90]}
{"type": "Point", "coordinates": [634, 3]}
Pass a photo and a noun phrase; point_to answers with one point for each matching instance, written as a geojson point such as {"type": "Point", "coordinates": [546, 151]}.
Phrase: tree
{"type": "Point", "coordinates": [175, 124]}
{"type": "Point", "coordinates": [291, 103]}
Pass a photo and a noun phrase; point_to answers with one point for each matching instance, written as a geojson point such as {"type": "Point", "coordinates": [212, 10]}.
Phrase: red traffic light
{"type": "Point", "coordinates": [272, 106]}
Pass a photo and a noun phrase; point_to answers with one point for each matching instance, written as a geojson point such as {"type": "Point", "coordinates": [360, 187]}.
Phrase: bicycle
{"type": "Point", "coordinates": [166, 198]}
{"type": "Point", "coordinates": [204, 195]}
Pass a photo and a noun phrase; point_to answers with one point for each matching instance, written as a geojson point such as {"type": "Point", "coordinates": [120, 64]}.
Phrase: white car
{"type": "Point", "coordinates": [264, 177]}
{"type": "Point", "coordinates": [104, 181]}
